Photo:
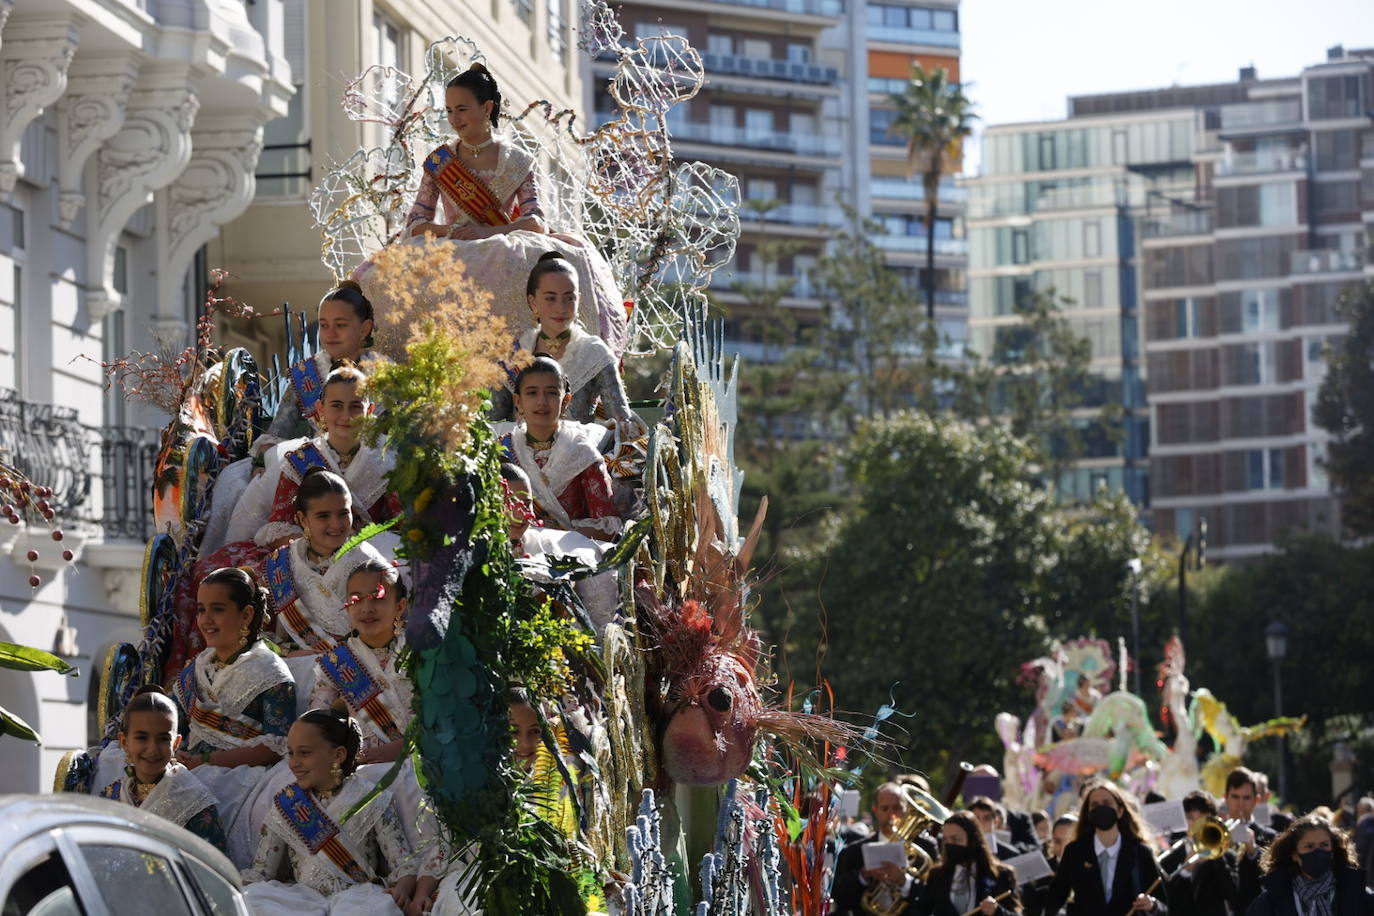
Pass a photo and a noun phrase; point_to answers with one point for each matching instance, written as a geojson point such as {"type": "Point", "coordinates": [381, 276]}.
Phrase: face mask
{"type": "Point", "coordinates": [958, 855]}
{"type": "Point", "coordinates": [1103, 817]}
{"type": "Point", "coordinates": [1316, 863]}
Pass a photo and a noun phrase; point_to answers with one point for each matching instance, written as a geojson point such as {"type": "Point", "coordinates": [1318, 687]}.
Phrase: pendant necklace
{"type": "Point", "coordinates": [475, 150]}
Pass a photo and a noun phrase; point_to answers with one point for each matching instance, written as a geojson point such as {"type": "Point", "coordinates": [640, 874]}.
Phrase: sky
{"type": "Point", "coordinates": [1026, 57]}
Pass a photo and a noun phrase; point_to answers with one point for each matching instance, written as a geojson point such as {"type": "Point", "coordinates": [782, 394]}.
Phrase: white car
{"type": "Point", "coordinates": [77, 855]}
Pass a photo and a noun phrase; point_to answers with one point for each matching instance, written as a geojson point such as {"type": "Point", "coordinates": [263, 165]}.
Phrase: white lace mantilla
{"type": "Point", "coordinates": [232, 688]}
{"type": "Point", "coordinates": [571, 455]}
{"type": "Point", "coordinates": [585, 355]}
{"type": "Point", "coordinates": [321, 598]}
{"type": "Point", "coordinates": [396, 694]}
{"type": "Point", "coordinates": [177, 797]}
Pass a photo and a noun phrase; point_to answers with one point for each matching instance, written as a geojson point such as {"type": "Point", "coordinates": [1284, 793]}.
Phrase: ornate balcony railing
{"type": "Point", "coordinates": [53, 448]}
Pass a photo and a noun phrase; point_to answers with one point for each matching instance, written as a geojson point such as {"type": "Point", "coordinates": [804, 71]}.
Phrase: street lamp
{"type": "Point", "coordinates": [1197, 546]}
{"type": "Point", "coordinates": [1276, 643]}
{"type": "Point", "coordinates": [1134, 566]}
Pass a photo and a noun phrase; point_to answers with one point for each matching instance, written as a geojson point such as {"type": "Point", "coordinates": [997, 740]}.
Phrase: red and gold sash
{"type": "Point", "coordinates": [466, 190]}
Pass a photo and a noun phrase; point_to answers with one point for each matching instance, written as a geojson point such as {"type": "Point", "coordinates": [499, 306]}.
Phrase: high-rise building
{"type": "Point", "coordinates": [796, 104]}
{"type": "Point", "coordinates": [1209, 230]}
{"type": "Point", "coordinates": [1240, 278]}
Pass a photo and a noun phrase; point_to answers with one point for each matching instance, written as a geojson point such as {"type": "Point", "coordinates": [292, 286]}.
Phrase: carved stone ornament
{"type": "Point", "coordinates": [33, 59]}
{"type": "Point", "coordinates": [91, 112]}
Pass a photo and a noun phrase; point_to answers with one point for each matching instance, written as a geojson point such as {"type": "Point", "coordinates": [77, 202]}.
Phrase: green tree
{"type": "Point", "coordinates": [1345, 409]}
{"type": "Point", "coordinates": [935, 117]}
{"type": "Point", "coordinates": [931, 579]}
{"type": "Point", "coordinates": [1033, 380]}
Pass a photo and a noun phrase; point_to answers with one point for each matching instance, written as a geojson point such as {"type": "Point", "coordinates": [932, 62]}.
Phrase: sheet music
{"type": "Point", "coordinates": [1165, 817]}
{"type": "Point", "coordinates": [1030, 866]}
{"type": "Point", "coordinates": [875, 854]}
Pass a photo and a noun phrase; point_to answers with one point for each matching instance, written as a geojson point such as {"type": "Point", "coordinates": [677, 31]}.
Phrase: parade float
{"type": "Point", "coordinates": [674, 775]}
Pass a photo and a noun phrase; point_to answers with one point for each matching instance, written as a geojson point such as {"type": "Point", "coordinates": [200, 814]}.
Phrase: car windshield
{"type": "Point", "coordinates": [123, 873]}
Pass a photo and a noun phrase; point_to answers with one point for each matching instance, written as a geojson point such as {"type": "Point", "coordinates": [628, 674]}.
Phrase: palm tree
{"type": "Point", "coordinates": [935, 116]}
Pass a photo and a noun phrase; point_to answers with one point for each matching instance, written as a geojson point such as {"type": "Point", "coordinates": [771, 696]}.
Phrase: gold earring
{"type": "Point", "coordinates": [336, 773]}
{"type": "Point", "coordinates": [398, 627]}
{"type": "Point", "coordinates": [243, 634]}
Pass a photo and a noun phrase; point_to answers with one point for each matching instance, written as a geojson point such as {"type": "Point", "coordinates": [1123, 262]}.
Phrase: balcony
{"type": "Point", "coordinates": [795, 215]}
{"type": "Point", "coordinates": [732, 281]}
{"type": "Point", "coordinates": [1233, 163]}
{"type": "Point", "coordinates": [752, 138]}
{"type": "Point", "coordinates": [904, 189]}
{"type": "Point", "coordinates": [1326, 261]}
{"type": "Point", "coordinates": [770, 69]}
{"type": "Point", "coordinates": [51, 446]}
{"type": "Point", "coordinates": [917, 243]}
{"type": "Point", "coordinates": [832, 8]}
{"type": "Point", "coordinates": [1253, 115]}
{"type": "Point", "coordinates": [1168, 225]}
{"type": "Point", "coordinates": [883, 85]}
{"type": "Point", "coordinates": [910, 36]}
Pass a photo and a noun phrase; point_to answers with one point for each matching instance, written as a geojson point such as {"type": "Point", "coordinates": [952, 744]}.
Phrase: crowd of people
{"type": "Point", "coordinates": [284, 704]}
{"type": "Point", "coordinates": [1105, 859]}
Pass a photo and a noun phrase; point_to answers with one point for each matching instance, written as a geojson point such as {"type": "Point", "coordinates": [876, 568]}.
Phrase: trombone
{"type": "Point", "coordinates": [1211, 838]}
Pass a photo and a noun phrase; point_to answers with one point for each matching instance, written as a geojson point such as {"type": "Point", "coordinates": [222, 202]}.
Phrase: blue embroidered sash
{"type": "Point", "coordinates": [305, 378]}
{"type": "Point", "coordinates": [317, 830]}
{"type": "Point", "coordinates": [351, 678]}
{"type": "Point", "coordinates": [282, 586]}
{"type": "Point", "coordinates": [306, 457]}
{"type": "Point", "coordinates": [113, 790]}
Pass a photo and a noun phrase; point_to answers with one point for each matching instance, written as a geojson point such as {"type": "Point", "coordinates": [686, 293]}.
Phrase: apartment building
{"type": "Point", "coordinates": [796, 104]}
{"type": "Point", "coordinates": [1239, 282]}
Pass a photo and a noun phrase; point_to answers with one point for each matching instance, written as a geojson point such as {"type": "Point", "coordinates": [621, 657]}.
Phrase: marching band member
{"type": "Point", "coordinates": [153, 779]}
{"type": "Point", "coordinates": [852, 879]}
{"type": "Point", "coordinates": [967, 878]}
{"type": "Point", "coordinates": [1109, 866]}
{"type": "Point", "coordinates": [1308, 871]}
{"type": "Point", "coordinates": [1206, 887]}
{"type": "Point", "coordinates": [1242, 795]}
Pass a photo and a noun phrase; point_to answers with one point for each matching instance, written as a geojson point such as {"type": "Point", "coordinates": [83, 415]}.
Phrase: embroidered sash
{"type": "Point", "coordinates": [113, 790]}
{"type": "Point", "coordinates": [240, 727]}
{"type": "Point", "coordinates": [282, 585]}
{"type": "Point", "coordinates": [306, 457]}
{"type": "Point", "coordinates": [317, 830]}
{"type": "Point", "coordinates": [359, 690]}
{"type": "Point", "coordinates": [305, 378]}
{"type": "Point", "coordinates": [465, 189]}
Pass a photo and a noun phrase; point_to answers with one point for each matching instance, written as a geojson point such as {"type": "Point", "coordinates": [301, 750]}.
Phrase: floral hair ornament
{"type": "Point", "coordinates": [519, 507]}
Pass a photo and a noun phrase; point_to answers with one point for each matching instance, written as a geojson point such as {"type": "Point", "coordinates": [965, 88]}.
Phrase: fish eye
{"type": "Point", "coordinates": [719, 699]}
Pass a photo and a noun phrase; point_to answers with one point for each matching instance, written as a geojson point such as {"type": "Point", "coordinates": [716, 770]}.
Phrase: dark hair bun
{"type": "Point", "coordinates": [149, 688]}
{"type": "Point", "coordinates": [551, 256]}
{"type": "Point", "coordinates": [350, 284]}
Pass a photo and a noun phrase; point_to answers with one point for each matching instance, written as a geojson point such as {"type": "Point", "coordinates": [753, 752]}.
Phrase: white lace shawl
{"type": "Point", "coordinates": [396, 694]}
{"type": "Point", "coordinates": [315, 870]}
{"type": "Point", "coordinates": [585, 356]}
{"type": "Point", "coordinates": [231, 690]}
{"type": "Point", "coordinates": [177, 797]}
{"type": "Point", "coordinates": [321, 598]}
{"type": "Point", "coordinates": [571, 455]}
{"type": "Point", "coordinates": [365, 476]}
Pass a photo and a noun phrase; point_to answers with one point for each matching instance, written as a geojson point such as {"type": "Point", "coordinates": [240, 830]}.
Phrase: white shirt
{"type": "Point", "coordinates": [1113, 856]}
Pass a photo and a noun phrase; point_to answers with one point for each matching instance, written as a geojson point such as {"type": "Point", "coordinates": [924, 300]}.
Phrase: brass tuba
{"type": "Point", "coordinates": [922, 811]}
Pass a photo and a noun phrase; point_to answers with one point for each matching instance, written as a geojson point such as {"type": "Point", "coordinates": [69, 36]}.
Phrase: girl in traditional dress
{"type": "Point", "coordinates": [489, 190]}
{"type": "Point", "coordinates": [336, 867]}
{"type": "Point", "coordinates": [266, 513]}
{"type": "Point", "coordinates": [237, 696]}
{"type": "Point", "coordinates": [589, 365]}
{"type": "Point", "coordinates": [568, 478]}
{"type": "Point", "coordinates": [153, 779]}
{"type": "Point", "coordinates": [346, 319]}
{"type": "Point", "coordinates": [308, 589]}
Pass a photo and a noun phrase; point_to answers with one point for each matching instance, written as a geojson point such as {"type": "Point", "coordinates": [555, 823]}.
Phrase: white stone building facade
{"type": "Point", "coordinates": [130, 132]}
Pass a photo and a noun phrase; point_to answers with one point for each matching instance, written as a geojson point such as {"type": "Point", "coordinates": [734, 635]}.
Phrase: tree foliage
{"type": "Point", "coordinates": [1345, 409]}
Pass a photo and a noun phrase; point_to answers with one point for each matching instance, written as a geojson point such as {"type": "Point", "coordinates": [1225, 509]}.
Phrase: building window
{"type": "Point", "coordinates": [1185, 317]}
{"type": "Point", "coordinates": [716, 43]}
{"type": "Point", "coordinates": [1020, 246]}
{"type": "Point", "coordinates": [945, 21]}
{"type": "Point", "coordinates": [1259, 309]}
{"type": "Point", "coordinates": [1092, 289]}
{"type": "Point", "coordinates": [799, 54]}
{"type": "Point", "coordinates": [1119, 154]}
{"type": "Point", "coordinates": [1092, 239]}
{"type": "Point", "coordinates": [1046, 152]}
{"type": "Point", "coordinates": [558, 43]}
{"type": "Point", "coordinates": [1264, 469]}
{"type": "Point", "coordinates": [1333, 97]}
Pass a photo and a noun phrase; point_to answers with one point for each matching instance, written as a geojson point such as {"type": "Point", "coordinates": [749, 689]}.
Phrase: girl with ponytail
{"type": "Point", "coordinates": [237, 697]}
{"type": "Point", "coordinates": [154, 779]}
{"type": "Point", "coordinates": [366, 866]}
